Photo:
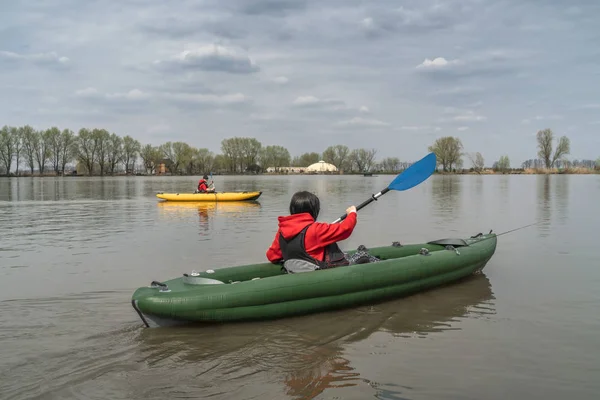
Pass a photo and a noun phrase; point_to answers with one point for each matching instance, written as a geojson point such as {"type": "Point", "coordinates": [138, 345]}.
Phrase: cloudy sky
{"type": "Point", "coordinates": [306, 74]}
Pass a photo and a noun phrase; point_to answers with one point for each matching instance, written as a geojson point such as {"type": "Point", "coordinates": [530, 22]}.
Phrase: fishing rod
{"type": "Point", "coordinates": [504, 233]}
{"type": "Point", "coordinates": [516, 229]}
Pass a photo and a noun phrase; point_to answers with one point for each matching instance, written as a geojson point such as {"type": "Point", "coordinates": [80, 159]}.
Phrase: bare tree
{"type": "Point", "coordinates": [545, 138]}
{"type": "Point", "coordinates": [17, 134]}
{"type": "Point", "coordinates": [42, 149]}
{"type": "Point", "coordinates": [337, 155]}
{"type": "Point", "coordinates": [477, 161]}
{"type": "Point", "coordinates": [274, 156]}
{"type": "Point", "coordinates": [203, 161]}
{"type": "Point", "coordinates": [115, 152]}
{"type": "Point", "coordinates": [390, 164]}
{"type": "Point", "coordinates": [88, 147]}
{"type": "Point", "coordinates": [306, 159]}
{"type": "Point", "coordinates": [30, 139]}
{"type": "Point", "coordinates": [131, 148]}
{"type": "Point", "coordinates": [54, 144]}
{"type": "Point", "coordinates": [102, 139]}
{"type": "Point", "coordinates": [7, 148]}
{"type": "Point", "coordinates": [448, 151]}
{"type": "Point", "coordinates": [151, 157]}
{"type": "Point", "coordinates": [68, 148]}
{"type": "Point", "coordinates": [363, 159]}
{"type": "Point", "coordinates": [503, 164]}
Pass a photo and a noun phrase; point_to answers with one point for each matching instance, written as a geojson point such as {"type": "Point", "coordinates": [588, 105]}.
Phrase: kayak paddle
{"type": "Point", "coordinates": [410, 177]}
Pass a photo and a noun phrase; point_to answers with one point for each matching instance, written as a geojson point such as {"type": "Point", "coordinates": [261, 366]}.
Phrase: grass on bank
{"type": "Point", "coordinates": [525, 171]}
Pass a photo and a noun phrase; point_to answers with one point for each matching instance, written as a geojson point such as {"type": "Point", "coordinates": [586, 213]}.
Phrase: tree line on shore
{"type": "Point", "coordinates": [24, 150]}
{"type": "Point", "coordinates": [99, 152]}
{"type": "Point", "coordinates": [449, 153]}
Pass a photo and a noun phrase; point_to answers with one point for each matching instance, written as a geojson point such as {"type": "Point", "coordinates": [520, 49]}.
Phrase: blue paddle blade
{"type": "Point", "coordinates": [415, 174]}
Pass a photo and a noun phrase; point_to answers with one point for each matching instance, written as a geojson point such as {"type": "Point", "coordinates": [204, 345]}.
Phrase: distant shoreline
{"type": "Point", "coordinates": [520, 171]}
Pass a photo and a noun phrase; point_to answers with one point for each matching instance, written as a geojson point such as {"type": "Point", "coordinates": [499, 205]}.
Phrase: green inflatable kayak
{"type": "Point", "coordinates": [265, 291]}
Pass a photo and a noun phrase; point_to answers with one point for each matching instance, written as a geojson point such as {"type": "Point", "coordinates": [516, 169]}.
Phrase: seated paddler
{"type": "Point", "coordinates": [204, 186]}
{"type": "Point", "coordinates": [302, 244]}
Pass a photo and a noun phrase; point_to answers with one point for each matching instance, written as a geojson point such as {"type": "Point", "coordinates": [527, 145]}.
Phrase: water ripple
{"type": "Point", "coordinates": [73, 250]}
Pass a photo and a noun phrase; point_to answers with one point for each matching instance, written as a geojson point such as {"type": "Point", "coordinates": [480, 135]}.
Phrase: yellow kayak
{"type": "Point", "coordinates": [218, 196]}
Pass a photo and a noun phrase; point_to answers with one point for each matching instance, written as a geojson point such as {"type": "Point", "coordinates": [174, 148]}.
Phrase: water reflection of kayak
{"type": "Point", "coordinates": [228, 206]}
{"type": "Point", "coordinates": [307, 353]}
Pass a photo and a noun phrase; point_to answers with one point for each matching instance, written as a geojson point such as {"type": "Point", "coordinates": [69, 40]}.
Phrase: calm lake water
{"type": "Point", "coordinates": [73, 250]}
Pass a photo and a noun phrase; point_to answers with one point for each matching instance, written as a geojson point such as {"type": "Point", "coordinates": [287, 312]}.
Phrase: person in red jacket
{"type": "Point", "coordinates": [203, 185]}
{"type": "Point", "coordinates": [311, 245]}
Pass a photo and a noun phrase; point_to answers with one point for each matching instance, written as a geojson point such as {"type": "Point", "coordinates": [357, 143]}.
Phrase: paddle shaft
{"type": "Point", "coordinates": [373, 197]}
{"type": "Point", "coordinates": [410, 177]}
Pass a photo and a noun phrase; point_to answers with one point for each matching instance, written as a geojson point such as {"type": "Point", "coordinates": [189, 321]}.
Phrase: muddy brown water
{"type": "Point", "coordinates": [73, 250]}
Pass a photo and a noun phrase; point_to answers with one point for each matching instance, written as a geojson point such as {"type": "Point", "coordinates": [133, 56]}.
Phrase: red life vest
{"type": "Point", "coordinates": [293, 248]}
{"type": "Point", "coordinates": [202, 185]}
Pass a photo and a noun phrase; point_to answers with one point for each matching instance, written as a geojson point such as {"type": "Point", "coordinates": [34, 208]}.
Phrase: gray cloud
{"type": "Point", "coordinates": [306, 74]}
{"type": "Point", "coordinates": [267, 7]}
{"type": "Point", "coordinates": [136, 98]}
{"type": "Point", "coordinates": [209, 58]}
{"type": "Point", "coordinates": [50, 59]}
{"type": "Point", "coordinates": [413, 17]}
{"type": "Point", "coordinates": [489, 63]}
{"type": "Point", "coordinates": [94, 101]}
{"type": "Point", "coordinates": [313, 105]}
{"type": "Point", "coordinates": [182, 26]}
{"type": "Point", "coordinates": [359, 122]}
{"type": "Point", "coordinates": [224, 100]}
{"type": "Point", "coordinates": [315, 102]}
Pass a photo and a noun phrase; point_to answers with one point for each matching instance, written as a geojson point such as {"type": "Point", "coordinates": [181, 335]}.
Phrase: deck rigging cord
{"type": "Point", "coordinates": [516, 229]}
{"type": "Point", "coordinates": [503, 233]}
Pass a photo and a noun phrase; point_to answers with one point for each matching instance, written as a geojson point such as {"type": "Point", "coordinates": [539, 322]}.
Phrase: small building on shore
{"type": "Point", "coordinates": [321, 167]}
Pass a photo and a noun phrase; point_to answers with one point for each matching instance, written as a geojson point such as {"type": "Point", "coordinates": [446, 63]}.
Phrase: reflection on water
{"type": "Point", "coordinates": [544, 212]}
{"type": "Point", "coordinates": [553, 197]}
{"type": "Point", "coordinates": [73, 250]}
{"type": "Point", "coordinates": [562, 198]}
{"type": "Point", "coordinates": [504, 189]}
{"type": "Point", "coordinates": [478, 186]}
{"type": "Point", "coordinates": [68, 188]}
{"type": "Point", "coordinates": [65, 223]}
{"type": "Point", "coordinates": [446, 193]}
{"type": "Point", "coordinates": [226, 207]}
{"type": "Point", "coordinates": [335, 372]}
{"type": "Point", "coordinates": [205, 211]}
{"type": "Point", "coordinates": [306, 354]}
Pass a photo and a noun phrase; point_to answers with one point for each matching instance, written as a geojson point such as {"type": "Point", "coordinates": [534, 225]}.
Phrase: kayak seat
{"type": "Point", "coordinates": [361, 256]}
{"type": "Point", "coordinates": [449, 242]}
{"type": "Point", "coordinates": [295, 266]}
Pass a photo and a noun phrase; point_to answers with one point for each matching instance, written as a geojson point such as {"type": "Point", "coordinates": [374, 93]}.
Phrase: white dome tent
{"type": "Point", "coordinates": [321, 166]}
